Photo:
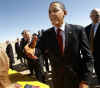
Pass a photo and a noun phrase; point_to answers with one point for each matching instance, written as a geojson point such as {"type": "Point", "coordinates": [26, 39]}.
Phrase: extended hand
{"type": "Point", "coordinates": [29, 55]}
{"type": "Point", "coordinates": [83, 85]}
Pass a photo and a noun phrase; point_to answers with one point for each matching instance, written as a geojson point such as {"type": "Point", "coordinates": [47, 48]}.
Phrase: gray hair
{"type": "Point", "coordinates": [97, 11]}
{"type": "Point", "coordinates": [25, 31]}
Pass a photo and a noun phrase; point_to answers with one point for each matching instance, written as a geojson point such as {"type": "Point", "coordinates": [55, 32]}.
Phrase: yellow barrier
{"type": "Point", "coordinates": [23, 81]}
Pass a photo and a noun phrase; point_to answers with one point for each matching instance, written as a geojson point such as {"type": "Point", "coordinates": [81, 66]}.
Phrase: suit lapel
{"type": "Point", "coordinates": [54, 38]}
{"type": "Point", "coordinates": [68, 34]}
{"type": "Point", "coordinates": [53, 33]}
{"type": "Point", "coordinates": [98, 31]}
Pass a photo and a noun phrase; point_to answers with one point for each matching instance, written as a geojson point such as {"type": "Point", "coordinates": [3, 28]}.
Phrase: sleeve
{"type": "Point", "coordinates": [87, 57]}
{"type": "Point", "coordinates": [85, 48]}
{"type": "Point", "coordinates": [42, 42]}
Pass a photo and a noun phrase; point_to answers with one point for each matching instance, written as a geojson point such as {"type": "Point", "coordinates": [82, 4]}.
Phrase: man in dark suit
{"type": "Point", "coordinates": [18, 52]}
{"type": "Point", "coordinates": [64, 52]}
{"type": "Point", "coordinates": [94, 42]}
{"type": "Point", "coordinates": [24, 41]}
{"type": "Point", "coordinates": [9, 51]}
{"type": "Point", "coordinates": [32, 62]}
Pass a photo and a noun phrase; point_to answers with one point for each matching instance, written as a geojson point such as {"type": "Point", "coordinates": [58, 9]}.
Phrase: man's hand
{"type": "Point", "coordinates": [30, 52]}
{"type": "Point", "coordinates": [29, 55]}
{"type": "Point", "coordinates": [34, 57]}
{"type": "Point", "coordinates": [83, 85]}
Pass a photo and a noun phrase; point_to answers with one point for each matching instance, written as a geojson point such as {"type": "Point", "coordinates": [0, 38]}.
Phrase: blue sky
{"type": "Point", "coordinates": [16, 15]}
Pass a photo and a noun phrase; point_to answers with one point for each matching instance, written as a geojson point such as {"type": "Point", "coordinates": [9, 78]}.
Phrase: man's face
{"type": "Point", "coordinates": [56, 14]}
{"type": "Point", "coordinates": [94, 16]}
{"type": "Point", "coordinates": [17, 40]}
{"type": "Point", "coordinates": [27, 35]}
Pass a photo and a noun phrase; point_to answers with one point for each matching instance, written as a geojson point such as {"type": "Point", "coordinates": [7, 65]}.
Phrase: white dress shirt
{"type": "Point", "coordinates": [95, 28]}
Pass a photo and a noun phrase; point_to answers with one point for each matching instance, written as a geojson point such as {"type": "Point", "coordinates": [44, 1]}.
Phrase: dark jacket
{"type": "Point", "coordinates": [96, 52]}
{"type": "Point", "coordinates": [22, 45]}
{"type": "Point", "coordinates": [75, 41]}
{"type": "Point", "coordinates": [17, 49]}
{"type": "Point", "coordinates": [9, 51]}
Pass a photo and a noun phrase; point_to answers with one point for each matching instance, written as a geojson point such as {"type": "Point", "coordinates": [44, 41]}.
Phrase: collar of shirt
{"type": "Point", "coordinates": [62, 32]}
{"type": "Point", "coordinates": [96, 27]}
{"type": "Point", "coordinates": [62, 27]}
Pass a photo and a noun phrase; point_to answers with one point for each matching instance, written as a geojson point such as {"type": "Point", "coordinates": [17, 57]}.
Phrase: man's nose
{"type": "Point", "coordinates": [53, 13]}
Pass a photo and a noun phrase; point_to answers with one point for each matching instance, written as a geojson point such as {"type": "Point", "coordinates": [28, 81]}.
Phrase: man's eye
{"type": "Point", "coordinates": [55, 10]}
{"type": "Point", "coordinates": [49, 11]}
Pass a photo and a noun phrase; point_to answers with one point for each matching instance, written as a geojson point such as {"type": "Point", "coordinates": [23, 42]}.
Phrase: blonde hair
{"type": "Point", "coordinates": [4, 67]}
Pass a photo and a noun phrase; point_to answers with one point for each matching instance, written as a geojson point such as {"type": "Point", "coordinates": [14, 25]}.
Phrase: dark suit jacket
{"type": "Point", "coordinates": [96, 52]}
{"type": "Point", "coordinates": [22, 45]}
{"type": "Point", "coordinates": [96, 41]}
{"type": "Point", "coordinates": [75, 41]}
{"type": "Point", "coordinates": [9, 51]}
{"type": "Point", "coordinates": [17, 48]}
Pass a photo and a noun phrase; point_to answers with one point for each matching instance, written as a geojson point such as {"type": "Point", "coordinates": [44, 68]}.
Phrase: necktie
{"type": "Point", "coordinates": [60, 41]}
{"type": "Point", "coordinates": [92, 39]}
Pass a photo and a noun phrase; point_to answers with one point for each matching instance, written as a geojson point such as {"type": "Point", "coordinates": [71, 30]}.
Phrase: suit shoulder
{"type": "Point", "coordinates": [48, 30]}
{"type": "Point", "coordinates": [88, 26]}
{"type": "Point", "coordinates": [76, 27]}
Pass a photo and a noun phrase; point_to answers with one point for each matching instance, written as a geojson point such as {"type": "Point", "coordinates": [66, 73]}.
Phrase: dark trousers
{"type": "Point", "coordinates": [45, 59]}
{"type": "Point", "coordinates": [11, 62]}
{"type": "Point", "coordinates": [97, 69]}
{"type": "Point", "coordinates": [36, 66]}
{"type": "Point", "coordinates": [63, 77]}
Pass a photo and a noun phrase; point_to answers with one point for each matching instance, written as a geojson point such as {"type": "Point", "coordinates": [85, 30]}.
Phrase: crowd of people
{"type": "Point", "coordinates": [73, 50]}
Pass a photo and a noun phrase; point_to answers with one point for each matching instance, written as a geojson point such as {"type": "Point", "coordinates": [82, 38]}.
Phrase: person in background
{"type": "Point", "coordinates": [63, 43]}
{"type": "Point", "coordinates": [24, 41]}
{"type": "Point", "coordinates": [93, 34]}
{"type": "Point", "coordinates": [38, 34]}
{"type": "Point", "coordinates": [4, 67]}
{"type": "Point", "coordinates": [33, 60]}
{"type": "Point", "coordinates": [17, 49]}
{"type": "Point", "coordinates": [10, 53]}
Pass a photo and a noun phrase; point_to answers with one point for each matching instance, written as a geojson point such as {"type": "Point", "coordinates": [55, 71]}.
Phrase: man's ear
{"type": "Point", "coordinates": [65, 12]}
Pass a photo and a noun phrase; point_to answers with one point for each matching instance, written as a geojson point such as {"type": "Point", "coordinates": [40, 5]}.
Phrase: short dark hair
{"type": "Point", "coordinates": [62, 6]}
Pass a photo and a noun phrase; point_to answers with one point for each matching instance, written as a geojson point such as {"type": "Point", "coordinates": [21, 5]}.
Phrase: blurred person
{"type": "Point", "coordinates": [38, 34]}
{"type": "Point", "coordinates": [63, 43]}
{"type": "Point", "coordinates": [26, 38]}
{"type": "Point", "coordinates": [4, 67]}
{"type": "Point", "coordinates": [10, 53]}
{"type": "Point", "coordinates": [17, 49]}
{"type": "Point", "coordinates": [33, 60]}
{"type": "Point", "coordinates": [93, 34]}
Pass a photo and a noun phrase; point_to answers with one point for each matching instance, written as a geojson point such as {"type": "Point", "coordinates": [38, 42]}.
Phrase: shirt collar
{"type": "Point", "coordinates": [62, 27]}
{"type": "Point", "coordinates": [96, 24]}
